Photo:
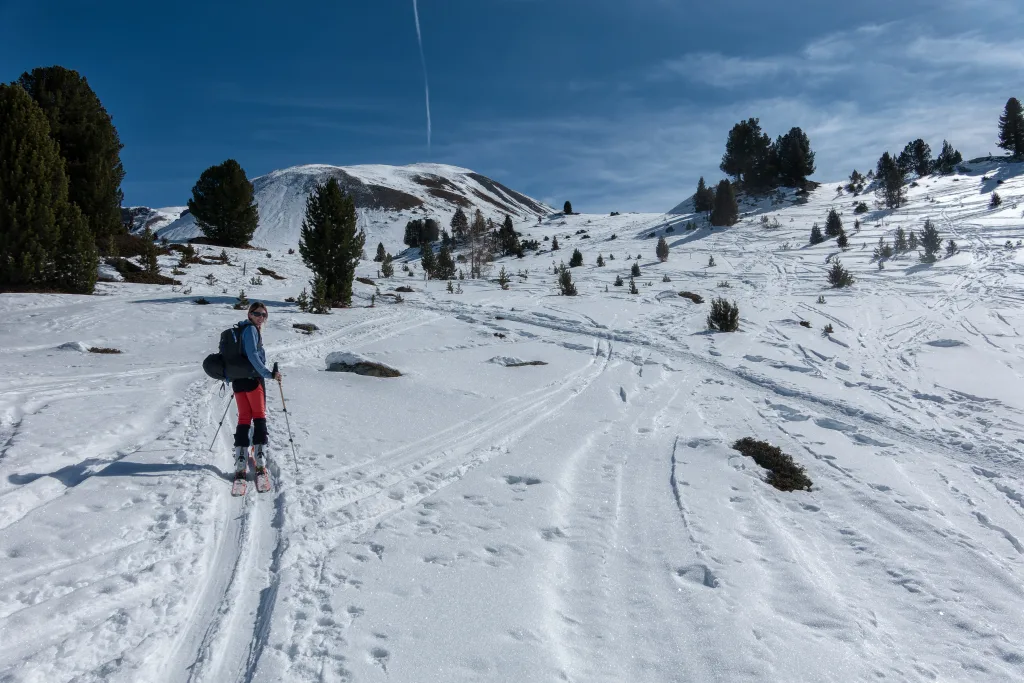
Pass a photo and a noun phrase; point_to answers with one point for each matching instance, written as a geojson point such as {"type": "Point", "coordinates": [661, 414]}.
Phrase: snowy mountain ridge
{"type": "Point", "coordinates": [386, 198]}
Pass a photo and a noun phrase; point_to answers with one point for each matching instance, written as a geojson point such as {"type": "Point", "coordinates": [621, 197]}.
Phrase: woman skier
{"type": "Point", "coordinates": [250, 393]}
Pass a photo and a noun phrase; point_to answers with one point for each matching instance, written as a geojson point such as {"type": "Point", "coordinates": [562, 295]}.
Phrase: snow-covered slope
{"type": "Point", "coordinates": [142, 217]}
{"type": "Point", "coordinates": [583, 520]}
{"type": "Point", "coordinates": [387, 197]}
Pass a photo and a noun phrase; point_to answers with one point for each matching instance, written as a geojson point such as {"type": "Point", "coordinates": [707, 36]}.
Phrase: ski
{"type": "Point", "coordinates": [239, 486]}
{"type": "Point", "coordinates": [262, 480]}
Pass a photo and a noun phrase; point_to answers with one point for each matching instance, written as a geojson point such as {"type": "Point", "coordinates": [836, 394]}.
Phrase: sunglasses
{"type": "Point", "coordinates": [259, 314]}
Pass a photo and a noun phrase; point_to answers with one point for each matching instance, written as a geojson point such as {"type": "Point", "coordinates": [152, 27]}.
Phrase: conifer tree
{"type": "Point", "coordinates": [600, 261]}
{"type": "Point", "coordinates": [816, 236]}
{"type": "Point", "coordinates": [634, 271]}
{"type": "Point", "coordinates": [459, 226]}
{"type": "Point", "coordinates": [843, 242]}
{"type": "Point", "coordinates": [554, 243]}
{"type": "Point", "coordinates": [618, 281]}
{"type": "Point", "coordinates": [951, 249]}
{"type": "Point", "coordinates": [44, 238]}
{"type": "Point", "coordinates": [632, 287]}
{"type": "Point", "coordinates": [900, 244]}
{"type": "Point", "coordinates": [796, 159]}
{"type": "Point", "coordinates": [1011, 128]}
{"type": "Point", "coordinates": [912, 241]}
{"type": "Point", "coordinates": [445, 266]}
{"type": "Point", "coordinates": [223, 205]}
{"type": "Point", "coordinates": [387, 267]}
{"type": "Point", "coordinates": [891, 180]}
{"type": "Point", "coordinates": [726, 211]}
{"type": "Point", "coordinates": [838, 276]}
{"type": "Point", "coordinates": [331, 244]}
{"type": "Point", "coordinates": [428, 260]}
{"type": "Point", "coordinates": [88, 143]}
{"type": "Point", "coordinates": [662, 250]}
{"type": "Point", "coordinates": [567, 209]}
{"type": "Point", "coordinates": [380, 253]}
{"type": "Point", "coordinates": [508, 241]}
{"type": "Point", "coordinates": [931, 242]}
{"type": "Point", "coordinates": [750, 157]}
{"type": "Point", "coordinates": [565, 284]}
{"type": "Point", "coordinates": [833, 224]}
{"type": "Point", "coordinates": [704, 198]}
{"type": "Point", "coordinates": [948, 159]}
{"type": "Point", "coordinates": [479, 244]}
{"type": "Point", "coordinates": [577, 259]}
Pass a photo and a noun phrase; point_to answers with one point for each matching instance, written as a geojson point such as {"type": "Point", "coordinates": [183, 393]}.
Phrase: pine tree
{"type": "Point", "coordinates": [427, 260]}
{"type": "Point", "coordinates": [704, 198]}
{"type": "Point", "coordinates": [330, 243]}
{"type": "Point", "coordinates": [632, 287]}
{"type": "Point", "coordinates": [554, 243]}
{"type": "Point", "coordinates": [912, 241]}
{"type": "Point", "coordinates": [1011, 128]}
{"type": "Point", "coordinates": [459, 226]}
{"type": "Point", "coordinates": [816, 236]}
{"type": "Point", "coordinates": [88, 143]}
{"type": "Point", "coordinates": [600, 261]}
{"type": "Point", "coordinates": [900, 244]}
{"type": "Point", "coordinates": [951, 249]}
{"type": "Point", "coordinates": [724, 316]}
{"type": "Point", "coordinates": [843, 242]}
{"type": "Point", "coordinates": [223, 205]}
{"type": "Point", "coordinates": [883, 250]}
{"type": "Point", "coordinates": [479, 244]}
{"type": "Point", "coordinates": [152, 265]}
{"type": "Point", "coordinates": [445, 265]}
{"type": "Point", "coordinates": [796, 159]}
{"type": "Point", "coordinates": [508, 240]}
{"type": "Point", "coordinates": [838, 276]}
{"type": "Point", "coordinates": [833, 224]}
{"type": "Point", "coordinates": [750, 157]}
{"type": "Point", "coordinates": [891, 180]}
{"type": "Point", "coordinates": [995, 201]}
{"type": "Point", "coordinates": [618, 281]}
{"type": "Point", "coordinates": [635, 269]}
{"type": "Point", "coordinates": [662, 250]}
{"type": "Point", "coordinates": [726, 211]}
{"type": "Point", "coordinates": [387, 266]}
{"type": "Point", "coordinates": [44, 238]}
{"type": "Point", "coordinates": [565, 284]}
{"type": "Point", "coordinates": [380, 253]}
{"type": "Point", "coordinates": [577, 259]}
{"type": "Point", "coordinates": [931, 242]}
{"type": "Point", "coordinates": [567, 209]}
{"type": "Point", "coordinates": [948, 159]}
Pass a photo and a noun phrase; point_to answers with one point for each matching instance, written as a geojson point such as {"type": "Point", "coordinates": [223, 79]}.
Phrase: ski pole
{"type": "Point", "coordinates": [287, 421]}
{"type": "Point", "coordinates": [222, 418]}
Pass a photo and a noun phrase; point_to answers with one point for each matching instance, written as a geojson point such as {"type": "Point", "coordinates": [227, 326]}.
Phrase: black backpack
{"type": "Point", "coordinates": [231, 363]}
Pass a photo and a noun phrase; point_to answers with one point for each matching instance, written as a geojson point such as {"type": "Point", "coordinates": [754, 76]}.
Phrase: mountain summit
{"type": "Point", "coordinates": [384, 196]}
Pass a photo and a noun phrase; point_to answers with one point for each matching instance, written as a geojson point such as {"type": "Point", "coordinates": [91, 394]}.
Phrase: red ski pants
{"type": "Point", "coordinates": [251, 405]}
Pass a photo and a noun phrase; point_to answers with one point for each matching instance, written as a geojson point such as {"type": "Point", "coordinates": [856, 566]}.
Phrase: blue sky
{"type": "Point", "coordinates": [614, 105]}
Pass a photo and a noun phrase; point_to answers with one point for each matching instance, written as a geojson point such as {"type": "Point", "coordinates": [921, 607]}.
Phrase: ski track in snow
{"type": "Point", "coordinates": [585, 520]}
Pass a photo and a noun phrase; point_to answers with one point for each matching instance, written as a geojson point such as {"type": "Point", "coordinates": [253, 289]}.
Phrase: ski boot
{"type": "Point", "coordinates": [262, 475]}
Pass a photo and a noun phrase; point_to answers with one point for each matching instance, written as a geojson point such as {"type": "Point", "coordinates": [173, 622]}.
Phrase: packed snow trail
{"type": "Point", "coordinates": [581, 520]}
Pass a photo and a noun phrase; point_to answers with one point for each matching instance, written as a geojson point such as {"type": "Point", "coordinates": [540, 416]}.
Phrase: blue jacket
{"type": "Point", "coordinates": [252, 344]}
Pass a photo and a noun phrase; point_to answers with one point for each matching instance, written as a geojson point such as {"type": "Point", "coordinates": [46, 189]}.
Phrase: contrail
{"type": "Point", "coordinates": [423, 61]}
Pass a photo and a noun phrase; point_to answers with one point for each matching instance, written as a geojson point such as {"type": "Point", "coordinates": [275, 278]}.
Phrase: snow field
{"type": "Point", "coordinates": [584, 520]}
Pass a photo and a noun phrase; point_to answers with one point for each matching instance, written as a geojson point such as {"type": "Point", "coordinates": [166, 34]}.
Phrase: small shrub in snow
{"type": "Point", "coordinates": [243, 301]}
{"type": "Point", "coordinates": [821, 298]}
{"type": "Point", "coordinates": [724, 316]}
{"type": "Point", "coordinates": [783, 473]}
{"type": "Point", "coordinates": [695, 298]}
{"type": "Point", "coordinates": [635, 270]}
{"type": "Point", "coordinates": [632, 287]}
{"type": "Point", "coordinates": [996, 201]}
{"type": "Point", "coordinates": [860, 208]}
{"type": "Point", "coordinates": [827, 330]}
{"type": "Point", "coordinates": [711, 262]}
{"type": "Point", "coordinates": [600, 261]}
{"type": "Point", "coordinates": [724, 284]}
{"type": "Point", "coordinates": [805, 323]}
{"type": "Point", "coordinates": [618, 281]}
{"type": "Point", "coordinates": [101, 349]}
{"type": "Point", "coordinates": [666, 278]}
{"type": "Point", "coordinates": [951, 249]}
{"type": "Point", "coordinates": [670, 228]}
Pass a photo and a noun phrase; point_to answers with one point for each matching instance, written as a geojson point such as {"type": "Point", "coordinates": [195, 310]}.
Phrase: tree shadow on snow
{"type": "Point", "coordinates": [229, 300]}
{"type": "Point", "coordinates": [73, 475]}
